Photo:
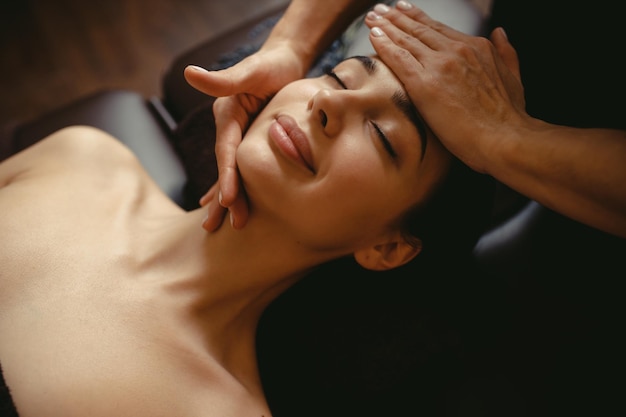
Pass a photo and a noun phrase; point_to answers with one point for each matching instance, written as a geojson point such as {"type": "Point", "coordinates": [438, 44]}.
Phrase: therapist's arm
{"type": "Point", "coordinates": [580, 173]}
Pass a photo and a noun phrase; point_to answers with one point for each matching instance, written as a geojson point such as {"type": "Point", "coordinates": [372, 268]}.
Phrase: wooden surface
{"type": "Point", "coordinates": [53, 52]}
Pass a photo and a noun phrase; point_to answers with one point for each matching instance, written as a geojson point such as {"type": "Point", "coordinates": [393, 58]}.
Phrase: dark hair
{"type": "Point", "coordinates": [367, 333]}
{"type": "Point", "coordinates": [449, 224]}
{"type": "Point", "coordinates": [347, 331]}
{"type": "Point", "coordinates": [458, 212]}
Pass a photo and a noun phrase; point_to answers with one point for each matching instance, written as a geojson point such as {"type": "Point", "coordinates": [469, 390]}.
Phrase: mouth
{"type": "Point", "coordinates": [292, 141]}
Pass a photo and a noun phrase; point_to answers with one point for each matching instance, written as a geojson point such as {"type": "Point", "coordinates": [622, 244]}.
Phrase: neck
{"type": "Point", "coordinates": [221, 281]}
{"type": "Point", "coordinates": [233, 265]}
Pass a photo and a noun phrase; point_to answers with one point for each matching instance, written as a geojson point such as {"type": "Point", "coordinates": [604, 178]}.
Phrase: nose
{"type": "Point", "coordinates": [328, 108]}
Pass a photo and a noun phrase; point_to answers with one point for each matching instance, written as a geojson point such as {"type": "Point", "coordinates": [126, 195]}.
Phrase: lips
{"type": "Point", "coordinates": [291, 140]}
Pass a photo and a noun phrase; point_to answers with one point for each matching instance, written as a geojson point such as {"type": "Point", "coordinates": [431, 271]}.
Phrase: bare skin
{"type": "Point", "coordinates": [114, 301]}
{"type": "Point", "coordinates": [449, 76]}
{"type": "Point", "coordinates": [93, 309]}
{"type": "Point", "coordinates": [476, 82]}
{"type": "Point", "coordinates": [305, 29]}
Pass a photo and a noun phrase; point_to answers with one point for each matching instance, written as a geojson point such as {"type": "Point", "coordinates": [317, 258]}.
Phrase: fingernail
{"type": "Point", "coordinates": [209, 208]}
{"type": "Point", "coordinates": [196, 68]}
{"type": "Point", "coordinates": [404, 5]}
{"type": "Point", "coordinates": [503, 32]}
{"type": "Point", "coordinates": [377, 32]}
{"type": "Point", "coordinates": [374, 16]}
{"type": "Point", "coordinates": [381, 8]}
{"type": "Point", "coordinates": [205, 220]}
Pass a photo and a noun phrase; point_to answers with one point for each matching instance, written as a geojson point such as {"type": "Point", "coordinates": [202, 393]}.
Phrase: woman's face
{"type": "Point", "coordinates": [336, 160]}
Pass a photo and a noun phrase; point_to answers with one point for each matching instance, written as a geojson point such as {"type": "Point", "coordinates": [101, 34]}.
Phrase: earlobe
{"type": "Point", "coordinates": [388, 255]}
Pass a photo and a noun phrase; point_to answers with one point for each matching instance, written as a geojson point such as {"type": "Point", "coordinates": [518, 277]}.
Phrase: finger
{"type": "Point", "coordinates": [416, 23]}
{"type": "Point", "coordinates": [213, 83]}
{"type": "Point", "coordinates": [229, 125]}
{"type": "Point", "coordinates": [238, 211]}
{"type": "Point", "coordinates": [415, 14]}
{"type": "Point", "coordinates": [229, 182]}
{"type": "Point", "coordinates": [411, 34]}
{"type": "Point", "coordinates": [208, 196]}
{"type": "Point", "coordinates": [401, 61]}
{"type": "Point", "coordinates": [507, 53]}
{"type": "Point", "coordinates": [222, 83]}
{"type": "Point", "coordinates": [215, 216]}
{"type": "Point", "coordinates": [414, 46]}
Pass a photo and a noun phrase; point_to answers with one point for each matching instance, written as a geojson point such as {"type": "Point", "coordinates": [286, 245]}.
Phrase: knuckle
{"type": "Point", "coordinates": [418, 31]}
{"type": "Point", "coordinates": [464, 50]}
{"type": "Point", "coordinates": [402, 55]}
{"type": "Point", "coordinates": [405, 40]}
{"type": "Point", "coordinates": [416, 13]}
{"type": "Point", "coordinates": [435, 25]}
{"type": "Point", "coordinates": [483, 44]}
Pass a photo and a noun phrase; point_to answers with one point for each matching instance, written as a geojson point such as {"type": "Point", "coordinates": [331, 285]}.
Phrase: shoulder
{"type": "Point", "coordinates": [86, 144]}
{"type": "Point", "coordinates": [65, 151]}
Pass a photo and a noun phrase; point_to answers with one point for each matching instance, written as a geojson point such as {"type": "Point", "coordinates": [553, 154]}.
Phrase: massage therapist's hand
{"type": "Point", "coordinates": [452, 76]}
{"type": "Point", "coordinates": [242, 91]}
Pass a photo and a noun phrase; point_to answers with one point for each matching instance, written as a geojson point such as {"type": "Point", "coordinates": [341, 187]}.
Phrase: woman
{"type": "Point", "coordinates": [541, 153]}
{"type": "Point", "coordinates": [118, 303]}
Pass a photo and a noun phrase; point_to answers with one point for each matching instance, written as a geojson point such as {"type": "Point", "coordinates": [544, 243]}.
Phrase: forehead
{"type": "Point", "coordinates": [383, 78]}
{"type": "Point", "coordinates": [370, 66]}
{"type": "Point", "coordinates": [438, 162]}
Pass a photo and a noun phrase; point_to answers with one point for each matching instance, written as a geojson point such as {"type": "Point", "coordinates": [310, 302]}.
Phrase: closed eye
{"type": "Point", "coordinates": [386, 143]}
{"type": "Point", "coordinates": [335, 77]}
{"type": "Point", "coordinates": [379, 132]}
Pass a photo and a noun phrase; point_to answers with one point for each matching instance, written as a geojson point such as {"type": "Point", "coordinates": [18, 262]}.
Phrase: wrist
{"type": "Point", "coordinates": [290, 50]}
{"type": "Point", "coordinates": [510, 147]}
{"type": "Point", "coordinates": [308, 28]}
{"type": "Point", "coordinates": [287, 37]}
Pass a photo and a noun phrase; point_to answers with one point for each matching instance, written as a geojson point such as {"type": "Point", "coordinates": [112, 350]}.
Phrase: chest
{"type": "Point", "coordinates": [82, 341]}
{"type": "Point", "coordinates": [79, 362]}
{"type": "Point", "coordinates": [77, 337]}
{"type": "Point", "coordinates": [102, 350]}
{"type": "Point", "coordinates": [55, 229]}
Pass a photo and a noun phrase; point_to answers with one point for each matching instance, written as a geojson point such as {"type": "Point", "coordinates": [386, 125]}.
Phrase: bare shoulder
{"type": "Point", "coordinates": [155, 392]}
{"type": "Point", "coordinates": [81, 144]}
{"type": "Point", "coordinates": [66, 149]}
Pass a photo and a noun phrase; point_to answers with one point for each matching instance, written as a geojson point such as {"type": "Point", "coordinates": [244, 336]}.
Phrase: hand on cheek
{"type": "Point", "coordinates": [216, 212]}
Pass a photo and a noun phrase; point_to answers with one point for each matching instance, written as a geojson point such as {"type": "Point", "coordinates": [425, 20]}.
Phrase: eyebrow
{"type": "Point", "coordinates": [401, 101]}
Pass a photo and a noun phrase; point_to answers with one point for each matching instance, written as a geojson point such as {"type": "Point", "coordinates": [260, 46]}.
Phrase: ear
{"type": "Point", "coordinates": [389, 255]}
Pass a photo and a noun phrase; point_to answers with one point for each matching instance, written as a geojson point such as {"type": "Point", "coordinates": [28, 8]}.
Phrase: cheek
{"type": "Point", "coordinates": [366, 188]}
{"type": "Point", "coordinates": [294, 95]}
{"type": "Point", "coordinates": [256, 163]}
{"type": "Point", "coordinates": [353, 201]}
{"type": "Point", "coordinates": [355, 166]}
{"type": "Point", "coordinates": [251, 153]}
{"type": "Point", "coordinates": [347, 220]}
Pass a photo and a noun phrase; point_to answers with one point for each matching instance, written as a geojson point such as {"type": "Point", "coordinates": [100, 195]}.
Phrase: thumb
{"type": "Point", "coordinates": [222, 83]}
{"type": "Point", "coordinates": [506, 51]}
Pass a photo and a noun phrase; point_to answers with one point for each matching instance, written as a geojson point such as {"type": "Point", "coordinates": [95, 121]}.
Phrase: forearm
{"type": "Point", "coordinates": [308, 27]}
{"type": "Point", "coordinates": [580, 173]}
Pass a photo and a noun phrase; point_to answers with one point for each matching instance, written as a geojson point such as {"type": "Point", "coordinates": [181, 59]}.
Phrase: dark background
{"type": "Point", "coordinates": [52, 53]}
